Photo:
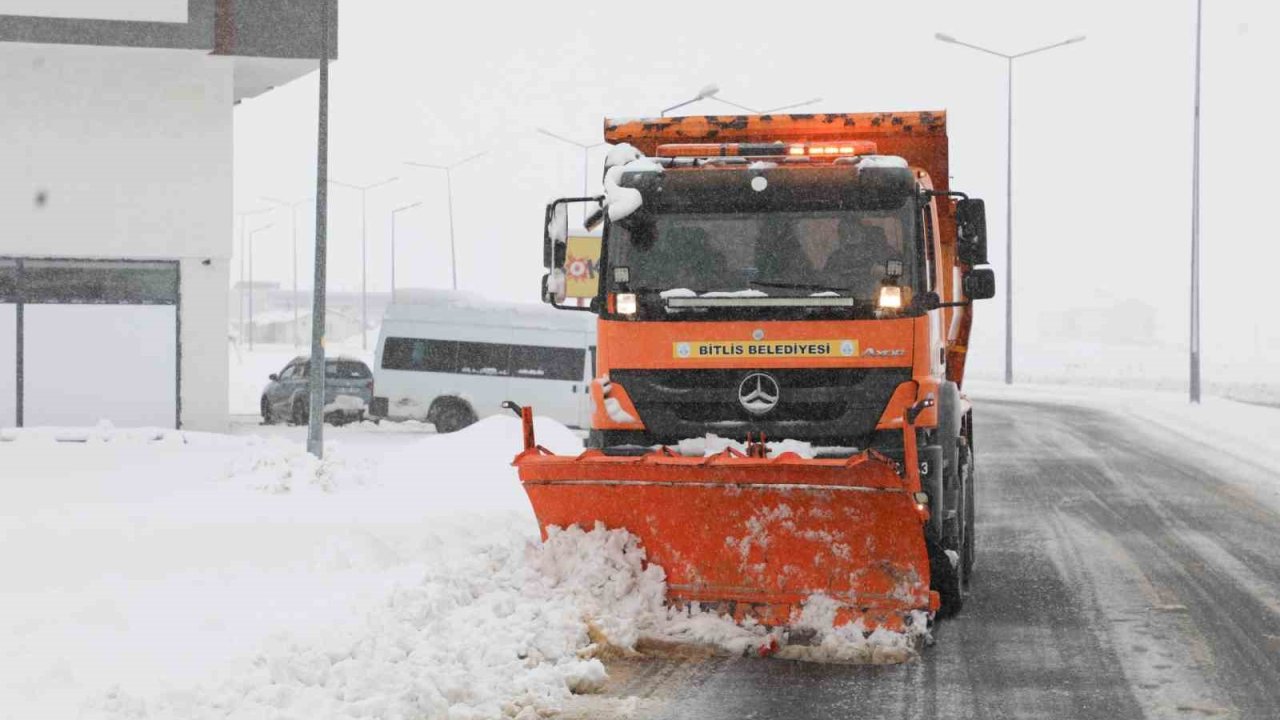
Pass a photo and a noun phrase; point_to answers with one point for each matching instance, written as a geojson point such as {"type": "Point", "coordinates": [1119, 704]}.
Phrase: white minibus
{"type": "Point", "coordinates": [452, 358]}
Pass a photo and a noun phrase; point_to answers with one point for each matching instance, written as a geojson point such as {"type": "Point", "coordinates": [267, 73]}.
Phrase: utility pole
{"type": "Point", "coordinates": [315, 377]}
{"type": "Point", "coordinates": [1195, 227]}
{"type": "Point", "coordinates": [1008, 207]}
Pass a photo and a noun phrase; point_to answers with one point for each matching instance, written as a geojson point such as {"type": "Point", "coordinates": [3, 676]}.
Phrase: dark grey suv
{"type": "Point", "coordinates": [348, 391]}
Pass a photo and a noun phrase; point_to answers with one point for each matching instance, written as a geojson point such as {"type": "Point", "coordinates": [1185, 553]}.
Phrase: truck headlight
{"type": "Point", "coordinates": [626, 303]}
{"type": "Point", "coordinates": [890, 297]}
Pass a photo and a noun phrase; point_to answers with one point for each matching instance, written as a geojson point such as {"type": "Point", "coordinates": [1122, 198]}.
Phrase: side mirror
{"type": "Point", "coordinates": [273, 377]}
{"type": "Point", "coordinates": [555, 234]}
{"type": "Point", "coordinates": [927, 301]}
{"type": "Point", "coordinates": [572, 263]}
{"type": "Point", "coordinates": [980, 284]}
{"type": "Point", "coordinates": [971, 231]}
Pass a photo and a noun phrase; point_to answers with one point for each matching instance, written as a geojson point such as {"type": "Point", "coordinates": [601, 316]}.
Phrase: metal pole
{"type": "Point", "coordinates": [293, 227]}
{"type": "Point", "coordinates": [1008, 261]}
{"type": "Point", "coordinates": [249, 289]}
{"type": "Point", "coordinates": [1195, 227]}
{"type": "Point", "coordinates": [393, 258]}
{"type": "Point", "coordinates": [252, 234]}
{"type": "Point", "coordinates": [586, 155]}
{"type": "Point", "coordinates": [315, 419]}
{"type": "Point", "coordinates": [1008, 290]}
{"type": "Point", "coordinates": [394, 214]}
{"type": "Point", "coordinates": [242, 278]}
{"type": "Point", "coordinates": [364, 271]}
{"type": "Point", "coordinates": [453, 250]}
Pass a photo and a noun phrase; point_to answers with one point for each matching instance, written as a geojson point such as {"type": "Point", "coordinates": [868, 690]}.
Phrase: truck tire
{"type": "Point", "coordinates": [951, 439]}
{"type": "Point", "coordinates": [945, 579]}
{"type": "Point", "coordinates": [451, 414]}
{"type": "Point", "coordinates": [970, 554]}
{"type": "Point", "coordinates": [298, 412]}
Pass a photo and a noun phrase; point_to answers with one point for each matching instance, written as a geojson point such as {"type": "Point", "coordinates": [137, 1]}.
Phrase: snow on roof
{"type": "Point", "coordinates": [621, 154]}
{"type": "Point", "coordinates": [622, 201]}
{"type": "Point", "coordinates": [881, 161]}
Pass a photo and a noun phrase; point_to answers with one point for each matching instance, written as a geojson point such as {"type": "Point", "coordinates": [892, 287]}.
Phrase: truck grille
{"type": "Point", "coordinates": [835, 406]}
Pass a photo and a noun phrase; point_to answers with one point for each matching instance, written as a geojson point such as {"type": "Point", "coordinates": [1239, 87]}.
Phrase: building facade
{"type": "Point", "coordinates": [116, 199]}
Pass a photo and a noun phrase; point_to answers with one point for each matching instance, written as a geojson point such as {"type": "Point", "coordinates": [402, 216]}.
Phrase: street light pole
{"type": "Point", "coordinates": [252, 234]}
{"type": "Point", "coordinates": [448, 180]}
{"type": "Point", "coordinates": [244, 263]}
{"type": "Point", "coordinates": [586, 154]}
{"type": "Point", "coordinates": [394, 213]}
{"type": "Point", "coordinates": [315, 378]}
{"type": "Point", "coordinates": [293, 230]}
{"type": "Point", "coordinates": [1195, 229]}
{"type": "Point", "coordinates": [752, 110]}
{"type": "Point", "coordinates": [706, 92]}
{"type": "Point", "coordinates": [1008, 267]}
{"type": "Point", "coordinates": [364, 253]}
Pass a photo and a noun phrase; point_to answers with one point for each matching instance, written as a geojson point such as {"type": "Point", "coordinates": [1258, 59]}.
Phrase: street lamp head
{"type": "Point", "coordinates": [944, 37]}
{"type": "Point", "coordinates": [1076, 39]}
{"type": "Point", "coordinates": [707, 91]}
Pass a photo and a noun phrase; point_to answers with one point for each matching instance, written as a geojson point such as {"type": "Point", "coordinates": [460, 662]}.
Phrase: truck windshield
{"type": "Point", "coordinates": [793, 254]}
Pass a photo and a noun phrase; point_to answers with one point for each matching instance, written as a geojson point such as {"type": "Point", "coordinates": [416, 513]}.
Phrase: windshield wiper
{"type": "Point", "coordinates": [799, 286]}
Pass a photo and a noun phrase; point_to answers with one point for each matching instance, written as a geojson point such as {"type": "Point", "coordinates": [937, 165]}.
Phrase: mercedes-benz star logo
{"type": "Point", "coordinates": [758, 393]}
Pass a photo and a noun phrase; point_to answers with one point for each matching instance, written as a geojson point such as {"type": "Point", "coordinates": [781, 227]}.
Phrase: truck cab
{"type": "Point", "coordinates": [807, 279]}
{"type": "Point", "coordinates": [799, 290]}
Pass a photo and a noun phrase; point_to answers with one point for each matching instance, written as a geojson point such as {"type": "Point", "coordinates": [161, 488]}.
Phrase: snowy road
{"type": "Point", "coordinates": [1119, 577]}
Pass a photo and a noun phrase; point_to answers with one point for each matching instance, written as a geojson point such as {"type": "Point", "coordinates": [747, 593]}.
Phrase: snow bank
{"type": "Point", "coordinates": [496, 632]}
{"type": "Point", "coordinates": [217, 576]}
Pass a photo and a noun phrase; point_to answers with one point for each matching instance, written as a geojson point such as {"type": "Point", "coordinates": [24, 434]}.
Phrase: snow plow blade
{"type": "Point", "coordinates": [753, 536]}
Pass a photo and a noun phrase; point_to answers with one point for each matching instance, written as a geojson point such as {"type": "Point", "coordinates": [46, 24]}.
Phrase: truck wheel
{"type": "Point", "coordinates": [955, 482]}
{"type": "Point", "coordinates": [969, 550]}
{"type": "Point", "coordinates": [266, 411]}
{"type": "Point", "coordinates": [451, 415]}
{"type": "Point", "coordinates": [298, 414]}
{"type": "Point", "coordinates": [945, 579]}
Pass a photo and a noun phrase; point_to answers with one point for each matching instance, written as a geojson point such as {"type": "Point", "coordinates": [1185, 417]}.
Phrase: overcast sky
{"type": "Point", "coordinates": [1102, 136]}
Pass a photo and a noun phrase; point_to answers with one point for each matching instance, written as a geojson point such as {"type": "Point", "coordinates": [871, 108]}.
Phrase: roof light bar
{"type": "Point", "coordinates": [816, 149]}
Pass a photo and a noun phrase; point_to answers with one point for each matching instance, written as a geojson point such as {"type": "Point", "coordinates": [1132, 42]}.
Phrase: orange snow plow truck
{"type": "Point", "coordinates": [784, 310]}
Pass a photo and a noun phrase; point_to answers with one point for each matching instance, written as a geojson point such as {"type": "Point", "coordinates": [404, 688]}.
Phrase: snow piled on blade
{"type": "Point", "coordinates": [850, 643]}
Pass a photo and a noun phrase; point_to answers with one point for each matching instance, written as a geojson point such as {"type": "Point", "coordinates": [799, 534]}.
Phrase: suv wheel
{"type": "Point", "coordinates": [266, 411]}
{"type": "Point", "coordinates": [298, 414]}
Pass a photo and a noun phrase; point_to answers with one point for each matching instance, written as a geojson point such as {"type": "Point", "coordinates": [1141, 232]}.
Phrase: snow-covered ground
{"type": "Point", "coordinates": [173, 577]}
{"type": "Point", "coordinates": [163, 574]}
{"type": "Point", "coordinates": [152, 573]}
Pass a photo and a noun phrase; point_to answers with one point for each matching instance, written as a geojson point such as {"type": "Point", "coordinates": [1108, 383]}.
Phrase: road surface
{"type": "Point", "coordinates": [1119, 576]}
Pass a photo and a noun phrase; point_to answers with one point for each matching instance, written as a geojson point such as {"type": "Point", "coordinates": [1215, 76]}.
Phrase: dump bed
{"type": "Point", "coordinates": [919, 137]}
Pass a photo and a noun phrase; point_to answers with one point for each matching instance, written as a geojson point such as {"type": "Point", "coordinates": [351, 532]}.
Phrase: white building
{"type": "Point", "coordinates": [116, 199]}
